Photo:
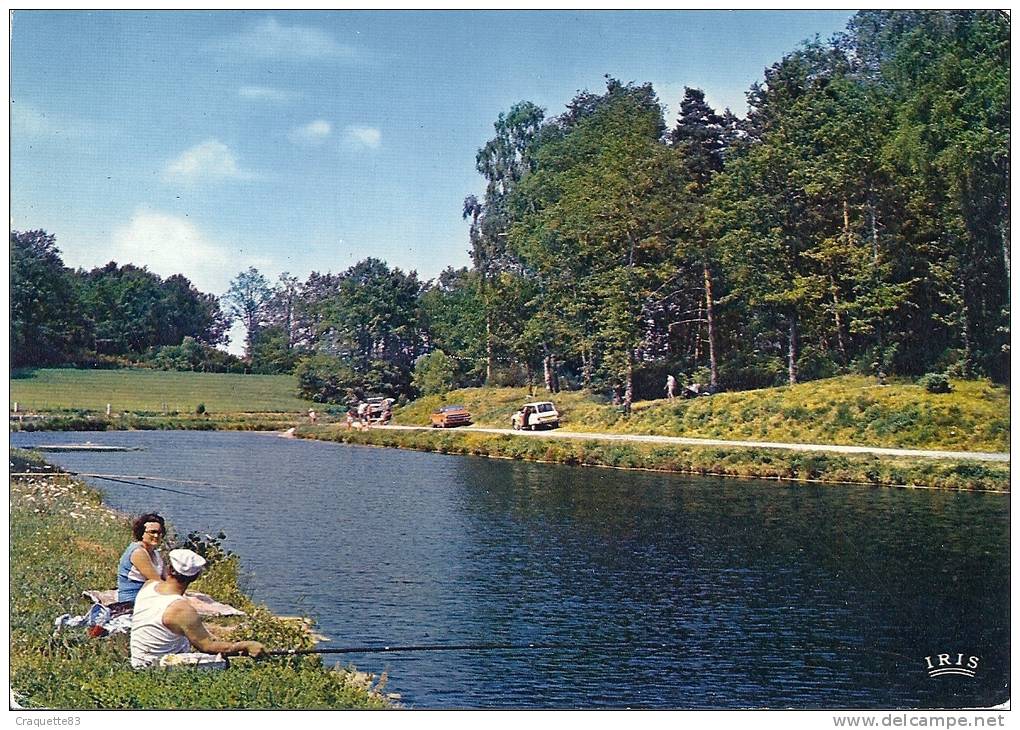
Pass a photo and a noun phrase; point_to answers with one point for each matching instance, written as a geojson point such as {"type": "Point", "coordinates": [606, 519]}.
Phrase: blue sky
{"type": "Point", "coordinates": [207, 142]}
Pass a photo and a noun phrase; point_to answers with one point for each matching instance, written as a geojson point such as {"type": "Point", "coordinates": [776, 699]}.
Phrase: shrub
{"type": "Point", "coordinates": [200, 409]}
{"type": "Point", "coordinates": [434, 373]}
{"type": "Point", "coordinates": [325, 379]}
{"type": "Point", "coordinates": [935, 383]}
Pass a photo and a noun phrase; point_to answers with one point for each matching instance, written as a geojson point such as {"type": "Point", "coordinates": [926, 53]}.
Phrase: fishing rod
{"type": "Point", "coordinates": [107, 478]}
{"type": "Point", "coordinates": [142, 484]}
{"type": "Point", "coordinates": [574, 646]}
{"type": "Point", "coordinates": [457, 647]}
{"type": "Point", "coordinates": [147, 478]}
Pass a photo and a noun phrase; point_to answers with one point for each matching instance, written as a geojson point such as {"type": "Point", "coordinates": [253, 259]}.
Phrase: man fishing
{"type": "Point", "coordinates": [165, 623]}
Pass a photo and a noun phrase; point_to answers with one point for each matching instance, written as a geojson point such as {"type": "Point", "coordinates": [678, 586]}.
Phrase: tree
{"type": "Point", "coordinates": [187, 312]}
{"type": "Point", "coordinates": [247, 297]}
{"type": "Point", "coordinates": [326, 379]}
{"type": "Point", "coordinates": [454, 321]}
{"type": "Point", "coordinates": [701, 138]}
{"type": "Point", "coordinates": [504, 161]}
{"type": "Point", "coordinates": [282, 308]}
{"type": "Point", "coordinates": [371, 323]}
{"type": "Point", "coordinates": [271, 353]}
{"type": "Point", "coordinates": [951, 141]}
{"type": "Point", "coordinates": [601, 210]}
{"type": "Point", "coordinates": [434, 373]}
{"type": "Point", "coordinates": [45, 325]}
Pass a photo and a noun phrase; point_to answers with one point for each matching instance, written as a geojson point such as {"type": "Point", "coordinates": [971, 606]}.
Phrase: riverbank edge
{"type": "Point", "coordinates": [137, 422]}
{"type": "Point", "coordinates": [733, 462]}
{"type": "Point", "coordinates": [71, 670]}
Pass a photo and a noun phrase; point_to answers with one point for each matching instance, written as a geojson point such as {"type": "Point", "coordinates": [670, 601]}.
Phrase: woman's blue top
{"type": "Point", "coordinates": [129, 580]}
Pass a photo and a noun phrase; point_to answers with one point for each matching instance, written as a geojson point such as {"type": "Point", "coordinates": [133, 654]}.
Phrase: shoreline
{"type": "Point", "coordinates": [61, 524]}
{"type": "Point", "coordinates": [742, 460]}
{"type": "Point", "coordinates": [712, 461]}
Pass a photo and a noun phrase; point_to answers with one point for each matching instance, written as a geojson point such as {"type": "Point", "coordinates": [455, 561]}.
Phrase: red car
{"type": "Point", "coordinates": [450, 416]}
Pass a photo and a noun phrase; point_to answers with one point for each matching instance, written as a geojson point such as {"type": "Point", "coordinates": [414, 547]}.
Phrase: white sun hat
{"type": "Point", "coordinates": [186, 562]}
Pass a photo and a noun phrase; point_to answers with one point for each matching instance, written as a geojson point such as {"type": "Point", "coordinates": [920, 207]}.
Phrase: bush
{"type": "Point", "coordinates": [200, 409]}
{"type": "Point", "coordinates": [191, 355]}
{"type": "Point", "coordinates": [935, 383]}
{"type": "Point", "coordinates": [434, 373]}
{"type": "Point", "coordinates": [325, 379]}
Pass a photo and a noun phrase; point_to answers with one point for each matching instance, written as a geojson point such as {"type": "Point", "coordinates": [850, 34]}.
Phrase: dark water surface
{"type": "Point", "coordinates": [766, 595]}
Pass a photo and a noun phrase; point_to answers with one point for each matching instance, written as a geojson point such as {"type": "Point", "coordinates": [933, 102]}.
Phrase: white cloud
{"type": "Point", "coordinates": [209, 160]}
{"type": "Point", "coordinates": [265, 93]}
{"type": "Point", "coordinates": [271, 39]}
{"type": "Point", "coordinates": [365, 136]}
{"type": "Point", "coordinates": [312, 133]}
{"type": "Point", "coordinates": [27, 121]}
{"type": "Point", "coordinates": [169, 245]}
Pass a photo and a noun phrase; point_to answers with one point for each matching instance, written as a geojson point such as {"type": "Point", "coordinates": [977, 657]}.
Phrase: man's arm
{"type": "Point", "coordinates": [141, 560]}
{"type": "Point", "coordinates": [182, 618]}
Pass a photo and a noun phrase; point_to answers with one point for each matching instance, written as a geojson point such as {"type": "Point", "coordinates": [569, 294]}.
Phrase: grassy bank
{"type": "Point", "coordinates": [63, 540]}
{"type": "Point", "coordinates": [733, 462]}
{"type": "Point", "coordinates": [153, 391]}
{"type": "Point", "coordinates": [848, 410]}
{"type": "Point", "coordinates": [84, 421]}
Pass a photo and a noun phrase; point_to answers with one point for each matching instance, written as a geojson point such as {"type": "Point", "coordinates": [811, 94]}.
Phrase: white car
{"type": "Point", "coordinates": [540, 414]}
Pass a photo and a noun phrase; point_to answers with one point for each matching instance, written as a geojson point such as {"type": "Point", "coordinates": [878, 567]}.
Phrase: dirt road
{"type": "Point", "coordinates": [559, 433]}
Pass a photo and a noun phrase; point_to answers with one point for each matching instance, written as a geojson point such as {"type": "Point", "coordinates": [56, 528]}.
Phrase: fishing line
{"type": "Point", "coordinates": [575, 646]}
{"type": "Point", "coordinates": [462, 647]}
{"type": "Point", "coordinates": [111, 478]}
{"type": "Point", "coordinates": [142, 484]}
{"type": "Point", "coordinates": [147, 478]}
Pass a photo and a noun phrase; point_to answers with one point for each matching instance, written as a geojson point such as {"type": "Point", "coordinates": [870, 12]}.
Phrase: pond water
{"type": "Point", "coordinates": [758, 594]}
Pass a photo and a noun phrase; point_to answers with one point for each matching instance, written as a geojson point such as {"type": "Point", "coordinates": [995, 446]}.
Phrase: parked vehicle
{"type": "Point", "coordinates": [540, 414]}
{"type": "Point", "coordinates": [450, 416]}
{"type": "Point", "coordinates": [378, 409]}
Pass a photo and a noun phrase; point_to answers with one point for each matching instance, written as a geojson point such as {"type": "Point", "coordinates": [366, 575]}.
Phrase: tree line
{"type": "Point", "coordinates": [107, 316]}
{"type": "Point", "coordinates": [855, 220]}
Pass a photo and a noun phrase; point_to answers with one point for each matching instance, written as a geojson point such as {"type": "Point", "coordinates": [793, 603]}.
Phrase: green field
{"type": "Point", "coordinates": [153, 391]}
{"type": "Point", "coordinates": [851, 410]}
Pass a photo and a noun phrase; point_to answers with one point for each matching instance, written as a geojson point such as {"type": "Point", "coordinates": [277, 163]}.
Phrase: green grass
{"type": "Point", "coordinates": [701, 460]}
{"type": "Point", "coordinates": [848, 410]}
{"type": "Point", "coordinates": [146, 391]}
{"type": "Point", "coordinates": [63, 540]}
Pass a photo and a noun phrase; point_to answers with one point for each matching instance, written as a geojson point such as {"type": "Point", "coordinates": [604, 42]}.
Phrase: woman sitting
{"type": "Point", "coordinates": [141, 560]}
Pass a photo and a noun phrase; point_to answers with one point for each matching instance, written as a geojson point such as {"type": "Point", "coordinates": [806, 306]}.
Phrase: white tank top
{"type": "Point", "coordinates": [150, 638]}
{"type": "Point", "coordinates": [136, 575]}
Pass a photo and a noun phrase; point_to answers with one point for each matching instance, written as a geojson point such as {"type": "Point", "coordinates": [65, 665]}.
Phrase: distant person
{"type": "Point", "coordinates": [141, 560]}
{"type": "Point", "coordinates": [312, 415]}
{"type": "Point", "coordinates": [165, 623]}
{"type": "Point", "coordinates": [670, 387]}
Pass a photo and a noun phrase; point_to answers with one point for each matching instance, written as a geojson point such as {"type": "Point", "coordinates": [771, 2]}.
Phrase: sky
{"type": "Point", "coordinates": [206, 142]}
